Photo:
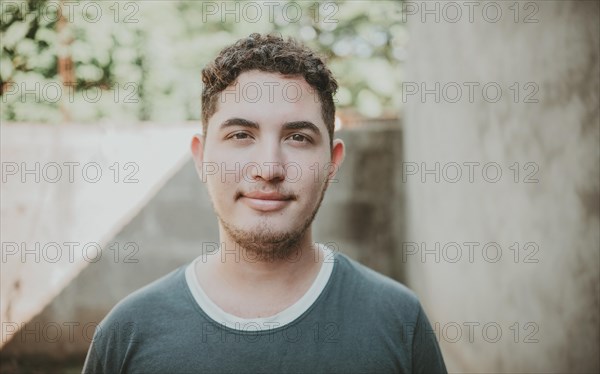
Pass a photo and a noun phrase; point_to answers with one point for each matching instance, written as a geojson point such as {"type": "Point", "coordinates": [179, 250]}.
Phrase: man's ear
{"type": "Point", "coordinates": [197, 148]}
{"type": "Point", "coordinates": [338, 152]}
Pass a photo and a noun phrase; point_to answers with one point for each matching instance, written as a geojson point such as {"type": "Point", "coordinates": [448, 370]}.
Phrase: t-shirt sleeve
{"type": "Point", "coordinates": [92, 363]}
{"type": "Point", "coordinates": [426, 354]}
{"type": "Point", "coordinates": [107, 352]}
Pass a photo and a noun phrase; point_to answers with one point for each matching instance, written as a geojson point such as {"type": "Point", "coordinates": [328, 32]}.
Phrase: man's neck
{"type": "Point", "coordinates": [243, 286]}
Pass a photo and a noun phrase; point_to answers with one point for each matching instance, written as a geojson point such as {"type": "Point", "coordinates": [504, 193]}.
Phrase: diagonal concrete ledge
{"type": "Point", "coordinates": [66, 191]}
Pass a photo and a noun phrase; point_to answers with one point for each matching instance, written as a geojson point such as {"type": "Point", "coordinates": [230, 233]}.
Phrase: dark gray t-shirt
{"type": "Point", "coordinates": [362, 322]}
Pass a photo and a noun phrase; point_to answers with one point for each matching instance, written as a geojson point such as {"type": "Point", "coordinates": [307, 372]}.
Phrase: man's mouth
{"type": "Point", "coordinates": [266, 201]}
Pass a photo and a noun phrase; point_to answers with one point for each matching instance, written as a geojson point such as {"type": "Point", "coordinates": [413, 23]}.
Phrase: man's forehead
{"type": "Point", "coordinates": [267, 76]}
{"type": "Point", "coordinates": [256, 86]}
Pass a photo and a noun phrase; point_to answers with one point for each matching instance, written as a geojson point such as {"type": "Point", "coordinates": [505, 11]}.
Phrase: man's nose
{"type": "Point", "coordinates": [269, 163]}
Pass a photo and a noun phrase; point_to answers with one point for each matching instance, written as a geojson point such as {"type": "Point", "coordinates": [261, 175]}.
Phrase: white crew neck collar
{"type": "Point", "coordinates": [267, 323]}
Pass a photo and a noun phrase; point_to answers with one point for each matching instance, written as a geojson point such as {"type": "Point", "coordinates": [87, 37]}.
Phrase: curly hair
{"type": "Point", "coordinates": [268, 53]}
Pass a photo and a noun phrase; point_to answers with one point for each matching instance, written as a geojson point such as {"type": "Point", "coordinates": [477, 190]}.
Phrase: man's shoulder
{"type": "Point", "coordinates": [381, 306]}
{"type": "Point", "coordinates": [373, 287]}
{"type": "Point", "coordinates": [139, 317]}
{"type": "Point", "coordinates": [144, 303]}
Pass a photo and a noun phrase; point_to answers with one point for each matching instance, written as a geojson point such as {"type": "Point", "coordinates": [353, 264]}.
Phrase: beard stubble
{"type": "Point", "coordinates": [264, 245]}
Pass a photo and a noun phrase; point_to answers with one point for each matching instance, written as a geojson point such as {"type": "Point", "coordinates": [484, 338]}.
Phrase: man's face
{"type": "Point", "coordinates": [266, 161]}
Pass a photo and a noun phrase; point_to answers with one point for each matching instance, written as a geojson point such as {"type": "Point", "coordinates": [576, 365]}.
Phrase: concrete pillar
{"type": "Point", "coordinates": [529, 237]}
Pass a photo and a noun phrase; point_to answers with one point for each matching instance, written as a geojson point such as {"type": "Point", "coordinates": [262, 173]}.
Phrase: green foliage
{"type": "Point", "coordinates": [141, 60]}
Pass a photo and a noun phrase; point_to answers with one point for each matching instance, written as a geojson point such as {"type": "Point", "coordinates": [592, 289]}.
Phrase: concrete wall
{"type": "Point", "coordinates": [554, 301]}
{"type": "Point", "coordinates": [359, 216]}
{"type": "Point", "coordinates": [363, 213]}
{"type": "Point", "coordinates": [47, 204]}
{"type": "Point", "coordinates": [165, 234]}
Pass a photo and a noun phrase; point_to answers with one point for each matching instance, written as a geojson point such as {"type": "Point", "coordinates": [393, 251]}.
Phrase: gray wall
{"type": "Point", "coordinates": [558, 295]}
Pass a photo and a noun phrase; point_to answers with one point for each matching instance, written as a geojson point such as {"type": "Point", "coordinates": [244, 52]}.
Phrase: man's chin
{"type": "Point", "coordinates": [265, 241]}
{"type": "Point", "coordinates": [266, 244]}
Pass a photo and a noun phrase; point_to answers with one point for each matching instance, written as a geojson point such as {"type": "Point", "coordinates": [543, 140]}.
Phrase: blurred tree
{"type": "Point", "coordinates": [63, 59]}
{"type": "Point", "coordinates": [137, 60]}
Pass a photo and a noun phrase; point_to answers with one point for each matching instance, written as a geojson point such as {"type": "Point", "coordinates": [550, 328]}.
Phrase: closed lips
{"type": "Point", "coordinates": [259, 195]}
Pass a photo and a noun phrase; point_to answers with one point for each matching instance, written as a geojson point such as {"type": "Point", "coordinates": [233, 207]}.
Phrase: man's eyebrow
{"type": "Point", "coordinates": [302, 125]}
{"type": "Point", "coordinates": [295, 125]}
{"type": "Point", "coordinates": [239, 122]}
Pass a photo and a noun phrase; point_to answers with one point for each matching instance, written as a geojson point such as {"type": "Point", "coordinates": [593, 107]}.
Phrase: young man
{"type": "Point", "coordinates": [269, 299]}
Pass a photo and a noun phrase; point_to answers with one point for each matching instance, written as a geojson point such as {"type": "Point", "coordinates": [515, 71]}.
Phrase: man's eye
{"type": "Point", "coordinates": [240, 136]}
{"type": "Point", "coordinates": [299, 138]}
